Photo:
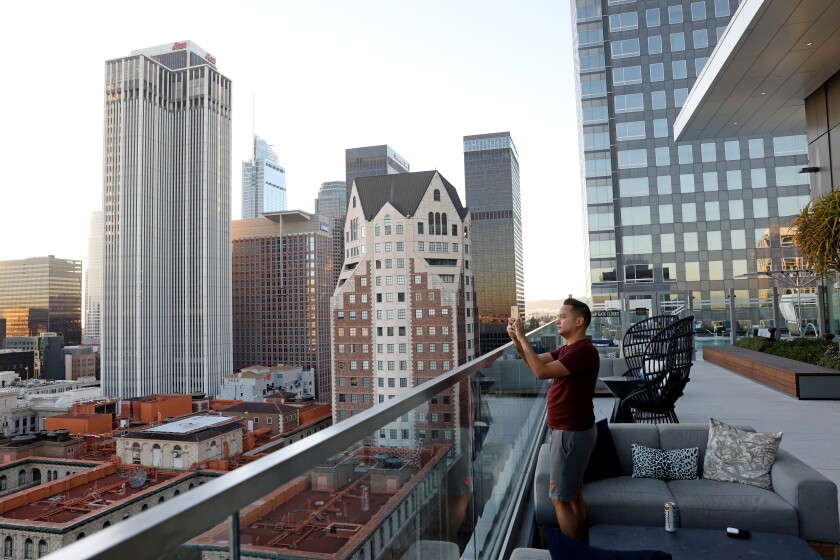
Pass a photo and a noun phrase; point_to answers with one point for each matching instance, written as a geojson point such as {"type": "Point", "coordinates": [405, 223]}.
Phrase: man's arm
{"type": "Point", "coordinates": [544, 365]}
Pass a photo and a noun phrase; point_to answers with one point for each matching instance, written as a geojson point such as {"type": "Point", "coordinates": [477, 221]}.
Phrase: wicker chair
{"type": "Point", "coordinates": [666, 364]}
{"type": "Point", "coordinates": [636, 340]}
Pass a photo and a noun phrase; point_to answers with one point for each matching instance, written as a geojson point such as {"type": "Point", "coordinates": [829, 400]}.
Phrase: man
{"type": "Point", "coordinates": [571, 416]}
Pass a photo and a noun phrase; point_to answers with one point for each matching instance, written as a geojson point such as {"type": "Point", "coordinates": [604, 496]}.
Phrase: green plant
{"type": "Point", "coordinates": [809, 350]}
{"type": "Point", "coordinates": [757, 343]}
{"type": "Point", "coordinates": [817, 233]}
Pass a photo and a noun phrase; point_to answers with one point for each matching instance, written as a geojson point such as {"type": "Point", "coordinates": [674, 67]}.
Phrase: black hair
{"type": "Point", "coordinates": [580, 309]}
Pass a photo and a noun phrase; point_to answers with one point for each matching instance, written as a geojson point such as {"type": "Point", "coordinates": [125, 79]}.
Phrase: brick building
{"type": "Point", "coordinates": [404, 309]}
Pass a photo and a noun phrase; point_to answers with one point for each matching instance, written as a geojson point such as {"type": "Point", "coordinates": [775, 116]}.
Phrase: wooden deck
{"type": "Point", "coordinates": [797, 379]}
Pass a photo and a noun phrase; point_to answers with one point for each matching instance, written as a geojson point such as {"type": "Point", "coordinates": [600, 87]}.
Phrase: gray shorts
{"type": "Point", "coordinates": [570, 453]}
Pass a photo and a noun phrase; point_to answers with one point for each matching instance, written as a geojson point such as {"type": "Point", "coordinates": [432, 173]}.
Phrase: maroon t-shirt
{"type": "Point", "coordinates": [570, 398]}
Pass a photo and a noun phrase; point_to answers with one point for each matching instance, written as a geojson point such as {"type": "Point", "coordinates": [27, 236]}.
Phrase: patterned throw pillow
{"type": "Point", "coordinates": [665, 464]}
{"type": "Point", "coordinates": [733, 455]}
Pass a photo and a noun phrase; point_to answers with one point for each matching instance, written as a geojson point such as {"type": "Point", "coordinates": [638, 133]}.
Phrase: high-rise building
{"type": "Point", "coordinates": [332, 205]}
{"type": "Point", "coordinates": [42, 294]}
{"type": "Point", "coordinates": [371, 161]}
{"type": "Point", "coordinates": [93, 278]}
{"type": "Point", "coordinates": [404, 310]}
{"type": "Point", "coordinates": [282, 282]}
{"type": "Point", "coordinates": [263, 182]}
{"type": "Point", "coordinates": [48, 349]}
{"type": "Point", "coordinates": [673, 225]}
{"type": "Point", "coordinates": [491, 177]}
{"type": "Point", "coordinates": [166, 319]}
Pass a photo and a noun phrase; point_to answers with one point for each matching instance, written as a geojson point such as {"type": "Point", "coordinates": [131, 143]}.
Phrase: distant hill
{"type": "Point", "coordinates": [550, 306]}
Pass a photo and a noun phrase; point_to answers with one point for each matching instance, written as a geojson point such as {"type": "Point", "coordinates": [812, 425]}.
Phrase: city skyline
{"type": "Point", "coordinates": [311, 126]}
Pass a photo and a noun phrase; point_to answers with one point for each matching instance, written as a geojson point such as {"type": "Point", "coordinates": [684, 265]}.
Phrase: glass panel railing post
{"type": "Point", "coordinates": [234, 536]}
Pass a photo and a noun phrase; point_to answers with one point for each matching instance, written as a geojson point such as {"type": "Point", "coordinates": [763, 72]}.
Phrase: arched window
{"type": "Point", "coordinates": [36, 476]}
{"type": "Point", "coordinates": [354, 202]}
{"type": "Point", "coordinates": [106, 524]}
{"type": "Point", "coordinates": [55, 475]}
{"type": "Point", "coordinates": [443, 225]}
{"type": "Point", "coordinates": [399, 228]}
{"type": "Point", "coordinates": [466, 233]}
{"type": "Point", "coordinates": [8, 545]}
{"type": "Point", "coordinates": [80, 536]}
{"type": "Point", "coordinates": [376, 230]}
{"type": "Point", "coordinates": [145, 507]}
{"type": "Point", "coordinates": [431, 223]}
{"type": "Point", "coordinates": [387, 224]}
{"type": "Point", "coordinates": [437, 223]}
{"type": "Point", "coordinates": [177, 492]}
{"type": "Point", "coordinates": [135, 453]}
{"type": "Point", "coordinates": [191, 486]}
{"type": "Point", "coordinates": [161, 500]}
{"type": "Point", "coordinates": [42, 548]}
{"type": "Point", "coordinates": [3, 482]}
{"type": "Point", "coordinates": [437, 195]}
{"type": "Point", "coordinates": [49, 475]}
{"type": "Point", "coordinates": [28, 549]}
{"type": "Point", "coordinates": [21, 478]}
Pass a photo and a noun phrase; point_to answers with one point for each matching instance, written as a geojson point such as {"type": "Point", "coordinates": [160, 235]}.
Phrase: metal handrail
{"type": "Point", "coordinates": [168, 525]}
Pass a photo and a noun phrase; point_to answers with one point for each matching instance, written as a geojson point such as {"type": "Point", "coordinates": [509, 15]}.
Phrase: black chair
{"type": "Point", "coordinates": [666, 364]}
{"type": "Point", "coordinates": [637, 338]}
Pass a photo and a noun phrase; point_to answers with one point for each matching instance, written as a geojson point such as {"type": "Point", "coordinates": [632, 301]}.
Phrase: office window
{"type": "Point", "coordinates": [590, 33]}
{"type": "Point", "coordinates": [792, 205]}
{"type": "Point", "coordinates": [762, 238]}
{"type": "Point", "coordinates": [692, 271]}
{"type": "Point", "coordinates": [710, 181]}
{"type": "Point", "coordinates": [790, 175]}
{"type": "Point", "coordinates": [685, 154]}
{"type": "Point", "coordinates": [677, 41]}
{"type": "Point", "coordinates": [660, 128]}
{"type": "Point", "coordinates": [669, 272]}
{"type": "Point", "coordinates": [719, 32]}
{"type": "Point", "coordinates": [597, 164]}
{"type": "Point", "coordinates": [593, 85]}
{"type": "Point", "coordinates": [652, 17]}
{"type": "Point", "coordinates": [713, 240]}
{"type": "Point", "coordinates": [629, 103]}
{"type": "Point", "coordinates": [712, 210]}
{"type": "Point", "coordinates": [657, 72]}
{"type": "Point", "coordinates": [733, 180]}
{"type": "Point", "coordinates": [715, 270]}
{"type": "Point", "coordinates": [690, 242]}
{"type": "Point", "coordinates": [638, 244]}
{"type": "Point", "coordinates": [687, 183]}
{"type": "Point", "coordinates": [758, 177]}
{"type": "Point", "coordinates": [635, 216]}
{"type": "Point", "coordinates": [595, 111]}
{"type": "Point", "coordinates": [689, 212]}
{"type": "Point", "coordinates": [663, 155]}
{"type": "Point", "coordinates": [666, 243]}
{"type": "Point", "coordinates": [675, 14]}
{"type": "Point", "coordinates": [666, 214]}
{"type": "Point", "coordinates": [630, 130]}
{"type": "Point", "coordinates": [589, 11]}
{"type": "Point", "coordinates": [632, 158]}
{"type": "Point", "coordinates": [739, 267]}
{"type": "Point", "coordinates": [699, 63]}
{"type": "Point", "coordinates": [680, 95]}
{"type": "Point", "coordinates": [736, 209]}
{"type": "Point", "coordinates": [790, 145]}
{"type": "Point", "coordinates": [638, 273]}
{"type": "Point", "coordinates": [756, 146]}
{"type": "Point", "coordinates": [627, 75]}
{"type": "Point", "coordinates": [732, 150]}
{"type": "Point", "coordinates": [594, 138]}
{"type": "Point", "coordinates": [600, 218]}
{"type": "Point", "coordinates": [760, 208]}
{"type": "Point", "coordinates": [636, 186]}
{"type": "Point", "coordinates": [624, 21]}
{"type": "Point", "coordinates": [663, 184]}
{"type": "Point", "coordinates": [721, 8]}
{"type": "Point", "coordinates": [698, 11]}
{"type": "Point", "coordinates": [708, 153]}
{"type": "Point", "coordinates": [701, 38]}
{"type": "Point", "coordinates": [655, 44]}
{"type": "Point", "coordinates": [738, 239]}
{"type": "Point", "coordinates": [598, 193]}
{"type": "Point", "coordinates": [657, 100]}
{"type": "Point", "coordinates": [622, 49]}
{"type": "Point", "coordinates": [679, 69]}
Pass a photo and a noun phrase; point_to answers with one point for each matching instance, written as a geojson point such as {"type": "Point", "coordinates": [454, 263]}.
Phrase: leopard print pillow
{"type": "Point", "coordinates": [665, 464]}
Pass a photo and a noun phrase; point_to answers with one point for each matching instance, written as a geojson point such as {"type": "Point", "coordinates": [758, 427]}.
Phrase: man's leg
{"type": "Point", "coordinates": [571, 516]}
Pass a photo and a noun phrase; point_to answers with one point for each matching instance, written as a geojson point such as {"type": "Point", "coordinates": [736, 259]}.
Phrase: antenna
{"type": "Point", "coordinates": [253, 117]}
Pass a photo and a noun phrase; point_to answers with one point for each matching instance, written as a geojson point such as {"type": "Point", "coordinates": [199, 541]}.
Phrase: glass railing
{"type": "Point", "coordinates": [439, 471]}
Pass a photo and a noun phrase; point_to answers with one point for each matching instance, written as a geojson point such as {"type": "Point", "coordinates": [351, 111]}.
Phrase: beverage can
{"type": "Point", "coordinates": [671, 517]}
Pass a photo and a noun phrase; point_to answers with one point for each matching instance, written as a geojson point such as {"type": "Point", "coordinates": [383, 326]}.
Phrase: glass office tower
{"type": "Point", "coordinates": [674, 224]}
{"type": "Point", "coordinates": [263, 182]}
{"type": "Point", "coordinates": [491, 176]}
{"type": "Point", "coordinates": [42, 294]}
{"type": "Point", "coordinates": [371, 161]}
{"type": "Point", "coordinates": [93, 278]}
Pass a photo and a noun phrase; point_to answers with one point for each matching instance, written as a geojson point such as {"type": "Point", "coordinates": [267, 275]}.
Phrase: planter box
{"type": "Point", "coordinates": [797, 379]}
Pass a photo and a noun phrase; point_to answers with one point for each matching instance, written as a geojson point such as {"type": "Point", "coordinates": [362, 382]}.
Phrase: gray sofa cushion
{"type": "Point", "coordinates": [626, 501]}
{"type": "Point", "coordinates": [625, 435]}
{"type": "Point", "coordinates": [530, 554]}
{"type": "Point", "coordinates": [711, 504]}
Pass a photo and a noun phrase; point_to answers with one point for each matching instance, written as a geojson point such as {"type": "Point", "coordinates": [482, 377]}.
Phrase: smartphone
{"type": "Point", "coordinates": [514, 311]}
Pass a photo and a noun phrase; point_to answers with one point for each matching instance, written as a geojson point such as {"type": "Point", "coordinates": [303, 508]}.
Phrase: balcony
{"type": "Point", "coordinates": [447, 466]}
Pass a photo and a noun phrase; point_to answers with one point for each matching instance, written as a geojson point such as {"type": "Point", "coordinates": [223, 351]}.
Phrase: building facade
{"type": "Point", "coordinates": [93, 279]}
{"type": "Point", "coordinates": [332, 204]}
{"type": "Point", "coordinates": [404, 310]}
{"type": "Point", "coordinates": [674, 225]}
{"type": "Point", "coordinates": [166, 254]}
{"type": "Point", "coordinates": [50, 289]}
{"type": "Point", "coordinates": [263, 182]}
{"type": "Point", "coordinates": [371, 161]}
{"type": "Point", "coordinates": [491, 177]}
{"type": "Point", "coordinates": [48, 349]}
{"type": "Point", "coordinates": [282, 281]}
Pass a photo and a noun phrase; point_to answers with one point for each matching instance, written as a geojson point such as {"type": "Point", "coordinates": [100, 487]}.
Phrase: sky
{"type": "Point", "coordinates": [313, 78]}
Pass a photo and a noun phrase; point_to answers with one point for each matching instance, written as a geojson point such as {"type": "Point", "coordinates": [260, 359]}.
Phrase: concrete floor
{"type": "Point", "coordinates": [811, 428]}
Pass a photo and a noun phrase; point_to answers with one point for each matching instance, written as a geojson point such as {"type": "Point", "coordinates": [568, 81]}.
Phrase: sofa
{"type": "Point", "coordinates": [610, 367]}
{"type": "Point", "coordinates": [802, 503]}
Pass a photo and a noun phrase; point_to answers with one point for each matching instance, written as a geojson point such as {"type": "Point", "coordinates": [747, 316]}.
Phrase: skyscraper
{"type": "Point", "coordinates": [331, 204]}
{"type": "Point", "coordinates": [93, 278]}
{"type": "Point", "coordinates": [282, 283]}
{"type": "Point", "coordinates": [404, 309]}
{"type": "Point", "coordinates": [166, 318]}
{"type": "Point", "coordinates": [491, 176]}
{"type": "Point", "coordinates": [263, 182]}
{"type": "Point", "coordinates": [670, 224]}
{"type": "Point", "coordinates": [42, 294]}
{"type": "Point", "coordinates": [371, 161]}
